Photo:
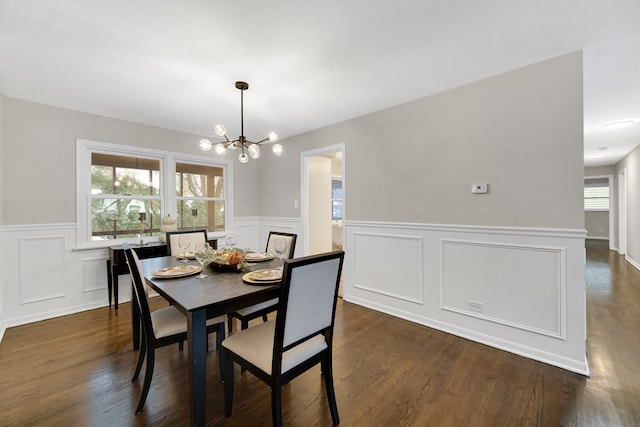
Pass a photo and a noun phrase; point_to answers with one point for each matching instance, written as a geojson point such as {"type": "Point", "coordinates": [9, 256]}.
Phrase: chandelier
{"type": "Point", "coordinates": [253, 148]}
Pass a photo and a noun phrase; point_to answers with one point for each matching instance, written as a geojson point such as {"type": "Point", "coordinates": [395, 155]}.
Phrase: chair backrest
{"type": "Point", "coordinates": [139, 290]}
{"type": "Point", "coordinates": [307, 303]}
{"type": "Point", "coordinates": [197, 236]}
{"type": "Point", "coordinates": [288, 237]}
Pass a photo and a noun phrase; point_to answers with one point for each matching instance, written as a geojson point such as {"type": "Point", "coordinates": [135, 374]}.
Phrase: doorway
{"type": "Point", "coordinates": [322, 199]}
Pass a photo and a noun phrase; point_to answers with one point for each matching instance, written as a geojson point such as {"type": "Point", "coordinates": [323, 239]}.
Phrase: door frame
{"type": "Point", "coordinates": [622, 211]}
{"type": "Point", "coordinates": [304, 187]}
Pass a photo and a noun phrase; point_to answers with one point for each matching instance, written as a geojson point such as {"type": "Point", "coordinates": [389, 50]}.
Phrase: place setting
{"type": "Point", "coordinates": [176, 271]}
{"type": "Point", "coordinates": [258, 257]}
{"type": "Point", "coordinates": [268, 276]}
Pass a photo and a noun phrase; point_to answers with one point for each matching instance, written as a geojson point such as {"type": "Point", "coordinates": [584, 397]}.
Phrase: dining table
{"type": "Point", "coordinates": [220, 293]}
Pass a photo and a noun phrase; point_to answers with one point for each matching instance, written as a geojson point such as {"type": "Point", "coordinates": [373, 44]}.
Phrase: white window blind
{"type": "Point", "coordinates": [596, 195]}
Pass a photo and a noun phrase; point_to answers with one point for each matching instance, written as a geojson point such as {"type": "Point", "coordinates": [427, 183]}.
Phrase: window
{"type": "Point", "coordinates": [596, 194]}
{"type": "Point", "coordinates": [336, 198]}
{"type": "Point", "coordinates": [200, 197]}
{"type": "Point", "coordinates": [122, 190]}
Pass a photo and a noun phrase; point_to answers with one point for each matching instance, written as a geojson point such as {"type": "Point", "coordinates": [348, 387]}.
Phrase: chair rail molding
{"type": "Point", "coordinates": [520, 289]}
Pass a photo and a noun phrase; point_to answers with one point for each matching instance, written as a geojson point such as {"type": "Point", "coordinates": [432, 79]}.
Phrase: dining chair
{"type": "Point", "coordinates": [160, 327]}
{"type": "Point", "coordinates": [246, 314]}
{"type": "Point", "coordinates": [197, 236]}
{"type": "Point", "coordinates": [299, 338]}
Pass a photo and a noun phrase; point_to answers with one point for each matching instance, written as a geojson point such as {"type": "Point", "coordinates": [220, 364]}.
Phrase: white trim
{"type": "Point", "coordinates": [632, 262]}
{"type": "Point", "coordinates": [622, 211]}
{"type": "Point", "coordinates": [571, 233]}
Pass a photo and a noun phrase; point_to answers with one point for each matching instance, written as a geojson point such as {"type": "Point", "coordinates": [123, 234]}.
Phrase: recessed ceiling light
{"type": "Point", "coordinates": [618, 124]}
{"type": "Point", "coordinates": [595, 156]}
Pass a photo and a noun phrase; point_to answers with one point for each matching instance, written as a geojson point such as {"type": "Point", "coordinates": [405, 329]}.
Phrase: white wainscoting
{"type": "Point", "coordinates": [254, 231]}
{"type": "Point", "coordinates": [529, 283]}
{"type": "Point", "coordinates": [45, 277]}
{"type": "Point", "coordinates": [518, 289]}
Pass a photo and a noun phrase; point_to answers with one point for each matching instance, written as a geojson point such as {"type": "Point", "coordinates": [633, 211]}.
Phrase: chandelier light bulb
{"type": "Point", "coordinates": [220, 130]}
{"type": "Point", "coordinates": [254, 151]}
{"type": "Point", "coordinates": [277, 149]}
{"type": "Point", "coordinates": [233, 145]}
{"type": "Point", "coordinates": [243, 158]}
{"type": "Point", "coordinates": [220, 148]}
{"type": "Point", "coordinates": [273, 137]}
{"type": "Point", "coordinates": [205, 145]}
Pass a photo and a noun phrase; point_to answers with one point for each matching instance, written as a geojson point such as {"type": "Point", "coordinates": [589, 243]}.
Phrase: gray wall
{"type": "Point", "coordinates": [522, 132]}
{"type": "Point", "coordinates": [39, 152]}
{"type": "Point", "coordinates": [632, 165]}
{"type": "Point", "coordinates": [597, 224]}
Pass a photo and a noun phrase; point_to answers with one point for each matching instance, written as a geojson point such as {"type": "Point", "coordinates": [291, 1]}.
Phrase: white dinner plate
{"type": "Point", "coordinates": [257, 257]}
{"type": "Point", "coordinates": [176, 271]}
{"type": "Point", "coordinates": [267, 275]}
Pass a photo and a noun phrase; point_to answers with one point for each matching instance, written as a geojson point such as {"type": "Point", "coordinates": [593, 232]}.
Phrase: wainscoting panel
{"type": "Point", "coordinates": [41, 270]}
{"type": "Point", "coordinates": [518, 289]}
{"type": "Point", "coordinates": [254, 231]}
{"type": "Point", "coordinates": [44, 276]}
{"type": "Point", "coordinates": [523, 286]}
{"type": "Point", "coordinates": [94, 270]}
{"type": "Point", "coordinates": [397, 270]}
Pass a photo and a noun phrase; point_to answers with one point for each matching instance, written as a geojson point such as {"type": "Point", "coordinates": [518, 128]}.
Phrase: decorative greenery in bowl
{"type": "Point", "coordinates": [228, 260]}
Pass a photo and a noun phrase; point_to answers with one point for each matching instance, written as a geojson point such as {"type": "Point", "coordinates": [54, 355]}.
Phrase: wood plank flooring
{"type": "Point", "coordinates": [76, 371]}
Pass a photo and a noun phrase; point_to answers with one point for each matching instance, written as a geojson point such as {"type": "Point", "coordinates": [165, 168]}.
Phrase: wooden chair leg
{"type": "Point", "coordinates": [148, 375]}
{"type": "Point", "coordinates": [276, 405]}
{"type": "Point", "coordinates": [220, 335]}
{"type": "Point", "coordinates": [141, 356]}
{"type": "Point", "coordinates": [230, 323]}
{"type": "Point", "coordinates": [327, 370]}
{"type": "Point", "coordinates": [227, 369]}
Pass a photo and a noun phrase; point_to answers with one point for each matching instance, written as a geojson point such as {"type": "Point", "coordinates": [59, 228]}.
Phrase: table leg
{"type": "Point", "coordinates": [197, 343]}
{"type": "Point", "coordinates": [109, 280]}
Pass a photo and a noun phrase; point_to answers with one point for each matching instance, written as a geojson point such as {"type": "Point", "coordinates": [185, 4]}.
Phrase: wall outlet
{"type": "Point", "coordinates": [475, 306]}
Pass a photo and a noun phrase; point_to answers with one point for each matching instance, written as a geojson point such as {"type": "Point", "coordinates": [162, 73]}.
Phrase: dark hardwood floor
{"type": "Point", "coordinates": [76, 371]}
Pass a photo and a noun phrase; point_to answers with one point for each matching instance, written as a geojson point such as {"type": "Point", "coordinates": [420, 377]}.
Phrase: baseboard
{"type": "Point", "coordinates": [632, 262]}
{"type": "Point", "coordinates": [581, 367]}
{"type": "Point", "coordinates": [54, 313]}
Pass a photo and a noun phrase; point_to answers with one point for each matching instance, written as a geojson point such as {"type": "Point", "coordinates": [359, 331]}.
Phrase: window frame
{"type": "Point", "coordinates": [168, 198]}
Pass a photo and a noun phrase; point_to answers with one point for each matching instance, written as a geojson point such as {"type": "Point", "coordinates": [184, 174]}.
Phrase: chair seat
{"type": "Point", "coordinates": [169, 321]}
{"type": "Point", "coordinates": [257, 307]}
{"type": "Point", "coordinates": [255, 345]}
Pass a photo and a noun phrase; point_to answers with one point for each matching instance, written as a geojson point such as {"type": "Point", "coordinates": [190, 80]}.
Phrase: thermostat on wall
{"type": "Point", "coordinates": [480, 188]}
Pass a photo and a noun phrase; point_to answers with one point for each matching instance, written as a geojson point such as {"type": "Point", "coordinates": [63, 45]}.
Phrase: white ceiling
{"type": "Point", "coordinates": [309, 64]}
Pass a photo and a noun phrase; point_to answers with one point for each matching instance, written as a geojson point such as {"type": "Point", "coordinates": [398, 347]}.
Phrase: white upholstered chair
{"type": "Point", "coordinates": [247, 314]}
{"type": "Point", "coordinates": [196, 236]}
{"type": "Point", "coordinates": [160, 327]}
{"type": "Point", "coordinates": [299, 338]}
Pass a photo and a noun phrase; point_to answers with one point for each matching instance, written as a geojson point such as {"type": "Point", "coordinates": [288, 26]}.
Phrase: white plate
{"type": "Point", "coordinates": [266, 275]}
{"type": "Point", "coordinates": [257, 257]}
{"type": "Point", "coordinates": [176, 271]}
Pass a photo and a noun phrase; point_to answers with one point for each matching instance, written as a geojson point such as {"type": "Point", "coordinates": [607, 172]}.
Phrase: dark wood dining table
{"type": "Point", "coordinates": [199, 300]}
